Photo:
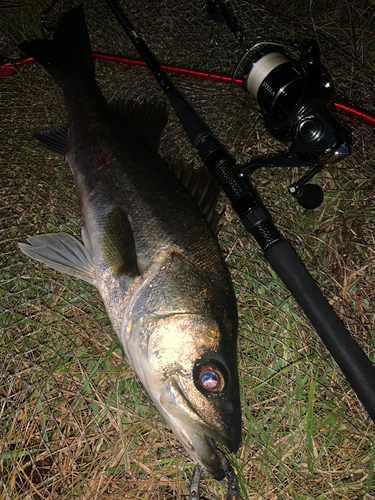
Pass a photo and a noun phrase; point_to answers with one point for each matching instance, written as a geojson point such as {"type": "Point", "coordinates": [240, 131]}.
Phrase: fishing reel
{"type": "Point", "coordinates": [296, 99]}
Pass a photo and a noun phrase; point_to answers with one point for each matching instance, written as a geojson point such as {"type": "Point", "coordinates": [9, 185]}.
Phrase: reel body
{"type": "Point", "coordinates": [296, 98]}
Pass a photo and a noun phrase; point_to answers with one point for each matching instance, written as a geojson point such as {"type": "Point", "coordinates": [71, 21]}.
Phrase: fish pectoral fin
{"type": "Point", "coordinates": [62, 252]}
{"type": "Point", "coordinates": [54, 140]}
{"type": "Point", "coordinates": [146, 117]}
{"type": "Point", "coordinates": [118, 245]}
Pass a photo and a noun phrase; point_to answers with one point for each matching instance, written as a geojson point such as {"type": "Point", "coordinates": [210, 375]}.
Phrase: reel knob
{"type": "Point", "coordinates": [308, 196]}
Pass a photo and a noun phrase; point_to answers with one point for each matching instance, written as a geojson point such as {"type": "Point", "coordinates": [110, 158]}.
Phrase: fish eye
{"type": "Point", "coordinates": [209, 377]}
{"type": "Point", "coordinates": [209, 380]}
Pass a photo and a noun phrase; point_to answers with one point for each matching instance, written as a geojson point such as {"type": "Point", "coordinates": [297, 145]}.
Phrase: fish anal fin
{"type": "Point", "coordinates": [118, 245]}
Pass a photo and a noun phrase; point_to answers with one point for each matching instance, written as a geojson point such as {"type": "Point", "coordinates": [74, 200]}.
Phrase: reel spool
{"type": "Point", "coordinates": [296, 98]}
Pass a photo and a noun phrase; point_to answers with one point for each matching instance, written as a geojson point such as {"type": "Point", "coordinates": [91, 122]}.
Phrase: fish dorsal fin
{"type": "Point", "coordinates": [146, 117]}
{"type": "Point", "coordinates": [54, 140]}
{"type": "Point", "coordinates": [62, 252]}
{"type": "Point", "coordinates": [118, 245]}
{"type": "Point", "coordinates": [201, 187]}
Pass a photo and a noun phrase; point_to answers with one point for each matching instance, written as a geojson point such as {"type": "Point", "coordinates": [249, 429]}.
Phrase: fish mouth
{"type": "Point", "coordinates": [197, 434]}
{"type": "Point", "coordinates": [202, 448]}
{"type": "Point", "coordinates": [211, 459]}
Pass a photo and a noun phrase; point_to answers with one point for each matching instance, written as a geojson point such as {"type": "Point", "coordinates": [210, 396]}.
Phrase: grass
{"type": "Point", "coordinates": [74, 423]}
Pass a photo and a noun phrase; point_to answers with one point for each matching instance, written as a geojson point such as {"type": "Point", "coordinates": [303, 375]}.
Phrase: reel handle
{"type": "Point", "coordinates": [309, 196]}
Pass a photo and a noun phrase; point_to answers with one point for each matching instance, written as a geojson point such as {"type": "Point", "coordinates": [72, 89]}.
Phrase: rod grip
{"type": "Point", "coordinates": [355, 365]}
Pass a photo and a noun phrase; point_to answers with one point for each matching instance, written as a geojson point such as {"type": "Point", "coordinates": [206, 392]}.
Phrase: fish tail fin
{"type": "Point", "coordinates": [68, 54]}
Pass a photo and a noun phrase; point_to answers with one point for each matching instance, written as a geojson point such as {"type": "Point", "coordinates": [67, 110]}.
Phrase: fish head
{"type": "Point", "coordinates": [194, 383]}
{"type": "Point", "coordinates": [189, 368]}
{"type": "Point", "coordinates": [186, 358]}
{"type": "Point", "coordinates": [200, 398]}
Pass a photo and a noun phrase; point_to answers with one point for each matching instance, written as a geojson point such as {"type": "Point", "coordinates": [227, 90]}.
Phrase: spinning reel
{"type": "Point", "coordinates": [296, 98]}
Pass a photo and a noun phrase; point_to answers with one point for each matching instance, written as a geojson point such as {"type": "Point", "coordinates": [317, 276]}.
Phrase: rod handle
{"type": "Point", "coordinates": [357, 368]}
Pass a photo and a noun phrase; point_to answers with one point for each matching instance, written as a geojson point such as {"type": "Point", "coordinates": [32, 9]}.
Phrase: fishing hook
{"type": "Point", "coordinates": [233, 490]}
{"type": "Point", "coordinates": [194, 485]}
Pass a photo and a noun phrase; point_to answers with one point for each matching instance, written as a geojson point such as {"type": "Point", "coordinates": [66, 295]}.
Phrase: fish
{"type": "Point", "coordinates": [149, 245]}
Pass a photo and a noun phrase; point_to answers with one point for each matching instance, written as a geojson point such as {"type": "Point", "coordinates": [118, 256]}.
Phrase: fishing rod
{"type": "Point", "coordinates": [255, 217]}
